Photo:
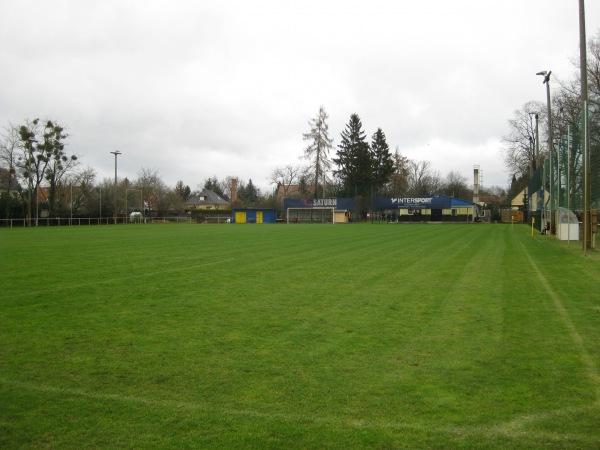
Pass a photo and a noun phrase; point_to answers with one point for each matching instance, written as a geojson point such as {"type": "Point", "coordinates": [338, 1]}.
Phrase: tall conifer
{"type": "Point", "coordinates": [354, 159]}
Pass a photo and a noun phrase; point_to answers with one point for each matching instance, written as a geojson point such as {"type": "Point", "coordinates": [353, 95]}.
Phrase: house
{"type": "Point", "coordinates": [517, 201]}
{"type": "Point", "coordinates": [537, 201]}
{"type": "Point", "coordinates": [206, 199]}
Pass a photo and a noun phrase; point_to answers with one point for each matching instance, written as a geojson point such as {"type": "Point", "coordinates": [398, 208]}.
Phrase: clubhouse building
{"type": "Point", "coordinates": [432, 208]}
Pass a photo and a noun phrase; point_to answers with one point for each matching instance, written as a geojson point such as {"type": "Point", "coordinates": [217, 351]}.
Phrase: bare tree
{"type": "Point", "coordinates": [9, 146]}
{"type": "Point", "coordinates": [226, 184]}
{"type": "Point", "coordinates": [456, 185]}
{"type": "Point", "coordinates": [79, 193]}
{"type": "Point", "coordinates": [285, 176]}
{"type": "Point", "coordinates": [43, 158]}
{"type": "Point", "coordinates": [318, 149]}
{"type": "Point", "coordinates": [422, 180]}
{"type": "Point", "coordinates": [154, 192]}
{"type": "Point", "coordinates": [521, 142]}
{"type": "Point", "coordinates": [399, 180]}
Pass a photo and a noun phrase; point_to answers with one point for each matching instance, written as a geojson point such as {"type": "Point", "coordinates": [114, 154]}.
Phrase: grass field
{"type": "Point", "coordinates": [297, 336]}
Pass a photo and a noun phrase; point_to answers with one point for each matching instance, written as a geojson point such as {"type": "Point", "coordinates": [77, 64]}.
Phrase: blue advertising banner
{"type": "Point", "coordinates": [429, 202]}
{"type": "Point", "coordinates": [316, 203]}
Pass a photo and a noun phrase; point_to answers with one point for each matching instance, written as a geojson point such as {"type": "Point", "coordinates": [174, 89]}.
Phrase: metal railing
{"type": "Point", "coordinates": [88, 221]}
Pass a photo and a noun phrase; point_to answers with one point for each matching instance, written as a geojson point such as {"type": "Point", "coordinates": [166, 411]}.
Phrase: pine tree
{"type": "Point", "coordinates": [251, 193]}
{"type": "Point", "coordinates": [399, 180]}
{"type": "Point", "coordinates": [183, 191]}
{"type": "Point", "coordinates": [302, 186]}
{"type": "Point", "coordinates": [212, 184]}
{"type": "Point", "coordinates": [383, 164]}
{"type": "Point", "coordinates": [354, 161]}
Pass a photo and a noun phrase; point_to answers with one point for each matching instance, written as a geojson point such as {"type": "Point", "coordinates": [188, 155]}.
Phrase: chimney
{"type": "Point", "coordinates": [476, 184]}
{"type": "Point", "coordinates": [233, 190]}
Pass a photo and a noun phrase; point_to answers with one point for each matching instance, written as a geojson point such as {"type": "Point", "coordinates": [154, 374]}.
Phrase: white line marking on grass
{"type": "Point", "coordinates": [592, 369]}
{"type": "Point", "coordinates": [511, 429]}
{"type": "Point", "coordinates": [515, 427]}
{"type": "Point", "coordinates": [161, 271]}
{"type": "Point", "coordinates": [26, 293]}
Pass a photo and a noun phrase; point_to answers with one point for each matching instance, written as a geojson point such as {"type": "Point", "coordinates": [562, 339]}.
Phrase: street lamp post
{"type": "Point", "coordinates": [31, 184]}
{"type": "Point", "coordinates": [116, 153]}
{"type": "Point", "coordinates": [546, 75]}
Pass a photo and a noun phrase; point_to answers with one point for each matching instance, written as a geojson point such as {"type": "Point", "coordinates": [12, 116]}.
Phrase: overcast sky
{"type": "Point", "coordinates": [194, 89]}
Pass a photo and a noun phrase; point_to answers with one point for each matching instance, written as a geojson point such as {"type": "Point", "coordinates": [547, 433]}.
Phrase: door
{"type": "Point", "coordinates": [259, 217]}
{"type": "Point", "coordinates": [240, 217]}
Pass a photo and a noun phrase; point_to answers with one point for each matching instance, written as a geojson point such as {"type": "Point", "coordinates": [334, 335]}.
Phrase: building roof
{"type": "Point", "coordinates": [206, 197]}
{"type": "Point", "coordinates": [455, 202]}
{"type": "Point", "coordinates": [253, 208]}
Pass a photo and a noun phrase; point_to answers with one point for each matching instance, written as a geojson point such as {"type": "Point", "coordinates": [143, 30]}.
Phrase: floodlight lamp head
{"type": "Point", "coordinates": [546, 76]}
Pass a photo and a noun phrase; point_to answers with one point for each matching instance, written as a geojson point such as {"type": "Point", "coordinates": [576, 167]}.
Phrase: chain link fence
{"type": "Point", "coordinates": [558, 182]}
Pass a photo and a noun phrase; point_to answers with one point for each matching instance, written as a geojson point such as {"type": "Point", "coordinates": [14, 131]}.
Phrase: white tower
{"type": "Point", "coordinates": [476, 178]}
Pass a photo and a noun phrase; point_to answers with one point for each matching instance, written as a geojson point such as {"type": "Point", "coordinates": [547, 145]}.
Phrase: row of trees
{"type": "Point", "coordinates": [526, 143]}
{"type": "Point", "coordinates": [33, 156]}
{"type": "Point", "coordinates": [39, 178]}
{"type": "Point", "coordinates": [360, 168]}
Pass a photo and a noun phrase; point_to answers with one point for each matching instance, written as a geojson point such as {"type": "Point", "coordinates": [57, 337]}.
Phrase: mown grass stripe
{"type": "Point", "coordinates": [353, 336]}
{"type": "Point", "coordinates": [512, 429]}
{"type": "Point", "coordinates": [578, 342]}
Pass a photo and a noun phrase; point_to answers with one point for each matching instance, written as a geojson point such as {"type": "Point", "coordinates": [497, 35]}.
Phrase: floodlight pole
{"type": "Point", "coordinates": [569, 183]}
{"type": "Point", "coordinates": [587, 190]}
{"type": "Point", "coordinates": [546, 75]}
{"type": "Point", "coordinates": [116, 153]}
{"type": "Point", "coordinates": [537, 140]}
{"type": "Point", "coordinates": [535, 160]}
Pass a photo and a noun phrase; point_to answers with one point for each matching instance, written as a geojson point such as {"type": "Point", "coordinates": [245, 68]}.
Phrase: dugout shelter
{"type": "Point", "coordinates": [253, 215]}
{"type": "Point", "coordinates": [319, 210]}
